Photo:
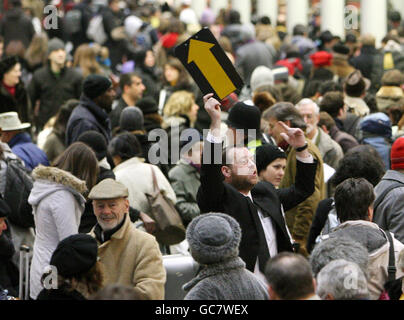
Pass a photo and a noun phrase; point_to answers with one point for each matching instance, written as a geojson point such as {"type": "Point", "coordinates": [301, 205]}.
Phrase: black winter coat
{"type": "Point", "coordinates": [9, 276]}
{"type": "Point", "coordinates": [85, 117]}
{"type": "Point", "coordinates": [19, 103]}
{"type": "Point", "coordinates": [214, 195]}
{"type": "Point", "coordinates": [15, 25]}
{"type": "Point", "coordinates": [53, 91]}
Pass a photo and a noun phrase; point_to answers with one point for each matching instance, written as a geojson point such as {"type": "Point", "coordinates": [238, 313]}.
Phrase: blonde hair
{"type": "Point", "coordinates": [180, 102]}
{"type": "Point", "coordinates": [85, 58]}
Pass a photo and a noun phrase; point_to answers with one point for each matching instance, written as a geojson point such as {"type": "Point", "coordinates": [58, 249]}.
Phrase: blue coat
{"type": "Point", "coordinates": [85, 117]}
{"type": "Point", "coordinates": [21, 145]}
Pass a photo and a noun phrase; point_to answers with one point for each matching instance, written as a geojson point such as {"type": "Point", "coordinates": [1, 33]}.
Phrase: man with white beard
{"type": "Point", "coordinates": [330, 150]}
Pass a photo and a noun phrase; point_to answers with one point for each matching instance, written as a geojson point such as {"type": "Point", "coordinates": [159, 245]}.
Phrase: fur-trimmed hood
{"type": "Point", "coordinates": [51, 179]}
{"type": "Point", "coordinates": [390, 92]}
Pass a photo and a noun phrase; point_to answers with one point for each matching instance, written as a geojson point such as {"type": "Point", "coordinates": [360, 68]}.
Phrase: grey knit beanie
{"type": "Point", "coordinates": [213, 238]}
{"type": "Point", "coordinates": [131, 119]}
{"type": "Point", "coordinates": [55, 44]}
{"type": "Point", "coordinates": [261, 76]}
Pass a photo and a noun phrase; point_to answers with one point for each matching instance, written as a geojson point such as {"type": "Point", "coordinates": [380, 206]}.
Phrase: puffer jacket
{"type": "Point", "coordinates": [185, 180]}
{"type": "Point", "coordinates": [15, 186]}
{"type": "Point", "coordinates": [21, 144]}
{"type": "Point", "coordinates": [375, 129]}
{"type": "Point", "coordinates": [58, 204]}
{"type": "Point", "coordinates": [375, 241]}
{"type": "Point", "coordinates": [85, 117]}
{"type": "Point", "coordinates": [389, 214]}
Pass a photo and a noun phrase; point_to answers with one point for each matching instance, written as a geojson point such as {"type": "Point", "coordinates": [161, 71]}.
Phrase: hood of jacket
{"type": "Point", "coordinates": [173, 121]}
{"type": "Point", "coordinates": [97, 111]}
{"type": "Point", "coordinates": [365, 232]}
{"type": "Point", "coordinates": [391, 92]}
{"type": "Point", "coordinates": [20, 138]}
{"type": "Point", "coordinates": [51, 179]}
{"type": "Point", "coordinates": [215, 269]}
{"type": "Point", "coordinates": [358, 106]}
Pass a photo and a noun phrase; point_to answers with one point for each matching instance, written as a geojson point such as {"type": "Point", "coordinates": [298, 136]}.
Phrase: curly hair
{"type": "Point", "coordinates": [360, 162]}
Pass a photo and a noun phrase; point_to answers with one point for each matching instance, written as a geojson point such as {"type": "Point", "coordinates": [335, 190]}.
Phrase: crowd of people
{"type": "Point", "coordinates": [285, 189]}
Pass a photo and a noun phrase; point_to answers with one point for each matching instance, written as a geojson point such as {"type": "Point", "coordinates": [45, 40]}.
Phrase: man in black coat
{"type": "Point", "coordinates": [233, 188]}
{"type": "Point", "coordinates": [92, 112]}
{"type": "Point", "coordinates": [53, 84]}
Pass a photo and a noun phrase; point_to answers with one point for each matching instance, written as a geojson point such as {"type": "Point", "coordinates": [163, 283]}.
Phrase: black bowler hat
{"type": "Point", "coordinates": [244, 116]}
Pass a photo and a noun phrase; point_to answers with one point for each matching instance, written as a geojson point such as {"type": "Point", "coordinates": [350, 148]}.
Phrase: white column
{"type": "Point", "coordinates": [297, 13]}
{"type": "Point", "coordinates": [374, 18]}
{"type": "Point", "coordinates": [268, 8]}
{"type": "Point", "coordinates": [244, 8]}
{"type": "Point", "coordinates": [216, 5]}
{"type": "Point", "coordinates": [198, 6]}
{"type": "Point", "coordinates": [332, 17]}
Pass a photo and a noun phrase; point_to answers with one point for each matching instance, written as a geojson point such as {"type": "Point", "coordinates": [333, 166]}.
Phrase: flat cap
{"type": "Point", "coordinates": [108, 189]}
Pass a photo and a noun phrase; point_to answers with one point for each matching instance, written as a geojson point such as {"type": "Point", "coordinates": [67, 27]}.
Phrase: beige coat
{"type": "Point", "coordinates": [133, 258]}
{"type": "Point", "coordinates": [300, 217]}
{"type": "Point", "coordinates": [378, 260]}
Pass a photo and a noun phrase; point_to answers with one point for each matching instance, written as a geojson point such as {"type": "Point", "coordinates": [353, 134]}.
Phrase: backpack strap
{"type": "Point", "coordinates": [392, 264]}
{"type": "Point", "coordinates": [381, 197]}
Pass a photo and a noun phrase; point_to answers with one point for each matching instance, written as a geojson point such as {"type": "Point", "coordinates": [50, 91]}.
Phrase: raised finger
{"type": "Point", "coordinates": [284, 125]}
{"type": "Point", "coordinates": [206, 97]}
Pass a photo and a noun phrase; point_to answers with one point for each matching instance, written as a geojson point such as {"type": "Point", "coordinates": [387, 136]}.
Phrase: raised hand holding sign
{"type": "Point", "coordinates": [209, 65]}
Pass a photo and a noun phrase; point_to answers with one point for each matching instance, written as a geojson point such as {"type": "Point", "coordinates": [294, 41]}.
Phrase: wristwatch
{"type": "Point", "coordinates": [302, 148]}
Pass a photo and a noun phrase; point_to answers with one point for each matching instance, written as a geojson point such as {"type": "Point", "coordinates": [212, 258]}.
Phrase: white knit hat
{"type": "Point", "coordinates": [261, 76]}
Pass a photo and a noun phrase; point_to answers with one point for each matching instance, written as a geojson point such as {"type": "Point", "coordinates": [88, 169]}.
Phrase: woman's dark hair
{"type": "Point", "coordinates": [329, 85]}
{"type": "Point", "coordinates": [370, 100]}
{"type": "Point", "coordinates": [80, 161]}
{"type": "Point", "coordinates": [125, 145]}
{"type": "Point", "coordinates": [353, 197]}
{"type": "Point", "coordinates": [63, 115]}
{"type": "Point", "coordinates": [312, 88]}
{"type": "Point", "coordinates": [395, 112]}
{"type": "Point", "coordinates": [360, 162]}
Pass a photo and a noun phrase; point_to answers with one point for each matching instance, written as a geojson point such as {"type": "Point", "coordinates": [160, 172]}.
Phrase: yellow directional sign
{"type": "Point", "coordinates": [209, 65]}
{"type": "Point", "coordinates": [199, 52]}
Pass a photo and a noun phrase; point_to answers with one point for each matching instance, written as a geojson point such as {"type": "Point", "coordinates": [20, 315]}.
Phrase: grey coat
{"type": "Point", "coordinates": [330, 150]}
{"type": "Point", "coordinates": [389, 215]}
{"type": "Point", "coordinates": [185, 180]}
{"type": "Point", "coordinates": [228, 280]}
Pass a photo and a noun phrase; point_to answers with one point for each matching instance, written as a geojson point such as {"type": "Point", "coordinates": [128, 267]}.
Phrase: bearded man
{"type": "Point", "coordinates": [232, 187]}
